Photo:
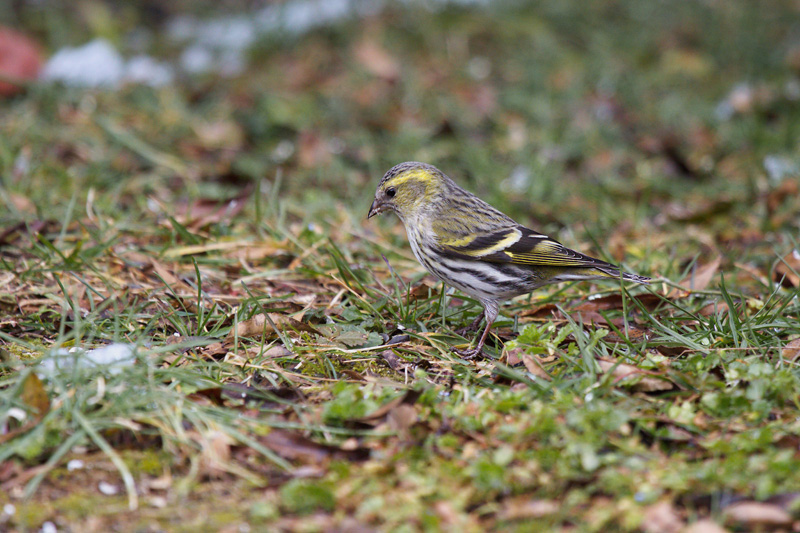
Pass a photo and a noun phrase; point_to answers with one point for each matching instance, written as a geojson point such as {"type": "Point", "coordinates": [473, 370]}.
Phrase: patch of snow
{"type": "Point", "coordinates": [115, 357]}
{"type": "Point", "coordinates": [95, 64]}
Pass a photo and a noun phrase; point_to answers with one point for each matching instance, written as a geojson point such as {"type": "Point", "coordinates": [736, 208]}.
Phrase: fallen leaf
{"type": "Point", "coordinates": [697, 280]}
{"type": "Point", "coordinates": [294, 446]}
{"type": "Point", "coordinates": [791, 351]}
{"type": "Point", "coordinates": [698, 211]}
{"type": "Point", "coordinates": [222, 134]}
{"type": "Point", "coordinates": [352, 339]}
{"type": "Point", "coordinates": [402, 417]}
{"type": "Point", "coordinates": [525, 507]}
{"type": "Point", "coordinates": [265, 324]}
{"type": "Point", "coordinates": [21, 203]}
{"type": "Point", "coordinates": [614, 301]}
{"type": "Point", "coordinates": [215, 350]}
{"type": "Point", "coordinates": [533, 366]}
{"type": "Point", "coordinates": [631, 332]}
{"type": "Point", "coordinates": [423, 291]}
{"type": "Point", "coordinates": [215, 454]}
{"type": "Point", "coordinates": [672, 351]}
{"type": "Point", "coordinates": [269, 397]}
{"type": "Point", "coordinates": [787, 270]}
{"type": "Point", "coordinates": [377, 60]}
{"type": "Point", "coordinates": [312, 150]}
{"type": "Point", "coordinates": [166, 275]}
{"type": "Point", "coordinates": [704, 526]}
{"type": "Point", "coordinates": [661, 517]}
{"type": "Point", "coordinates": [788, 189]}
{"type": "Point", "coordinates": [382, 413]}
{"type": "Point", "coordinates": [539, 311]}
{"type": "Point", "coordinates": [279, 350]}
{"type": "Point", "coordinates": [714, 308]}
{"type": "Point", "coordinates": [756, 514]}
{"type": "Point", "coordinates": [391, 359]}
{"type": "Point", "coordinates": [20, 60]}
{"type": "Point", "coordinates": [34, 396]}
{"type": "Point", "coordinates": [640, 380]}
{"type": "Point", "coordinates": [448, 515]}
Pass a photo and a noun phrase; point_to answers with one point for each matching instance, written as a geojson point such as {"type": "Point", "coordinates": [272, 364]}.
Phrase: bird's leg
{"type": "Point", "coordinates": [471, 327]}
{"type": "Point", "coordinates": [490, 310]}
{"type": "Point", "coordinates": [472, 353]}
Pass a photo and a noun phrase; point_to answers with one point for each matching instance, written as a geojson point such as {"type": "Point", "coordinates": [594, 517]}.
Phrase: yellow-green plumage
{"type": "Point", "coordinates": [472, 246]}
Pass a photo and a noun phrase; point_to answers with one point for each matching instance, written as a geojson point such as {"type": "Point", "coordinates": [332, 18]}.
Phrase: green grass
{"type": "Point", "coordinates": [291, 361]}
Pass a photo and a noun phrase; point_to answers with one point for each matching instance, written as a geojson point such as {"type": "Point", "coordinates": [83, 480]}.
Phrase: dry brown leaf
{"type": "Point", "coordinates": [539, 311]}
{"type": "Point", "coordinates": [697, 280]}
{"type": "Point", "coordinates": [642, 379]}
{"type": "Point", "coordinates": [224, 134]}
{"type": "Point", "coordinates": [714, 308]}
{"type": "Point", "coordinates": [294, 446]}
{"type": "Point", "coordinates": [312, 150]}
{"type": "Point", "coordinates": [704, 526]}
{"type": "Point", "coordinates": [215, 454]}
{"type": "Point", "coordinates": [672, 351]}
{"type": "Point", "coordinates": [778, 195]}
{"type": "Point", "coordinates": [215, 350]}
{"type": "Point", "coordinates": [533, 366]}
{"type": "Point", "coordinates": [20, 59]}
{"type": "Point", "coordinates": [791, 351]}
{"type": "Point", "coordinates": [661, 517]}
{"type": "Point", "coordinates": [697, 211]}
{"type": "Point", "coordinates": [449, 517]}
{"type": "Point", "coordinates": [265, 324]}
{"type": "Point", "coordinates": [787, 269]}
{"type": "Point", "coordinates": [279, 350]}
{"type": "Point", "coordinates": [377, 60]}
{"type": "Point", "coordinates": [21, 203]}
{"type": "Point", "coordinates": [523, 507]}
{"type": "Point", "coordinates": [754, 514]}
{"type": "Point", "coordinates": [384, 412]}
{"type": "Point", "coordinates": [164, 273]}
{"type": "Point", "coordinates": [391, 359]}
{"type": "Point", "coordinates": [614, 301]}
{"type": "Point", "coordinates": [631, 332]}
{"type": "Point", "coordinates": [423, 290]}
{"type": "Point", "coordinates": [34, 396]}
{"type": "Point", "coordinates": [512, 357]}
{"type": "Point", "coordinates": [402, 417]}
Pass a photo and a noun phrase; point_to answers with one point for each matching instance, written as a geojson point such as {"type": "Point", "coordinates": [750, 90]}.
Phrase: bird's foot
{"type": "Point", "coordinates": [468, 353]}
{"type": "Point", "coordinates": [472, 327]}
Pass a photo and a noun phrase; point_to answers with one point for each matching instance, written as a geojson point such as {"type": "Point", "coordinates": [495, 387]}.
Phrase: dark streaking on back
{"type": "Point", "coordinates": [477, 249]}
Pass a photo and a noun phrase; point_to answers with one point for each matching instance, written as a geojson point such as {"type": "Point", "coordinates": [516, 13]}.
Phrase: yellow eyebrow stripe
{"type": "Point", "coordinates": [419, 175]}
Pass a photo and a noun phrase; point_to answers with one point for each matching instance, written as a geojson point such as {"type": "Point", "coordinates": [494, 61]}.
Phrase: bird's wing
{"type": "Point", "coordinates": [516, 245]}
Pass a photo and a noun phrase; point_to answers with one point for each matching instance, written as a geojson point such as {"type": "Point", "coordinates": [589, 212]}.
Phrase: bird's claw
{"type": "Point", "coordinates": [469, 353]}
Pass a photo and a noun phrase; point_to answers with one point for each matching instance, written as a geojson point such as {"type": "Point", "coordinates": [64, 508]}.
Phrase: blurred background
{"type": "Point", "coordinates": [660, 111]}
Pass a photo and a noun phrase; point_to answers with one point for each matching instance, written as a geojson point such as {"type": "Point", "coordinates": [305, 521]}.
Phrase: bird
{"type": "Point", "coordinates": [470, 245]}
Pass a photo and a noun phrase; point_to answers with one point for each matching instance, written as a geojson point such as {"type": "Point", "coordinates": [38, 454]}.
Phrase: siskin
{"type": "Point", "coordinates": [472, 246]}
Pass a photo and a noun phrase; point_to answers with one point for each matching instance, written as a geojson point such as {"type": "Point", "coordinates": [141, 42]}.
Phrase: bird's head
{"type": "Point", "coordinates": [407, 189]}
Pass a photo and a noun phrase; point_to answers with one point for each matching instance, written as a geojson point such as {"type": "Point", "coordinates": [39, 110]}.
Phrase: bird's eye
{"type": "Point", "coordinates": [390, 192]}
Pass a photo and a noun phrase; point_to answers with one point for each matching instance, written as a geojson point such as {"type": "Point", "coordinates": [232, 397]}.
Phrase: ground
{"type": "Point", "coordinates": [282, 363]}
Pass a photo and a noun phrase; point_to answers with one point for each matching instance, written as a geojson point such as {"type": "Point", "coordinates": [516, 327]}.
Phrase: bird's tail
{"type": "Point", "coordinates": [598, 270]}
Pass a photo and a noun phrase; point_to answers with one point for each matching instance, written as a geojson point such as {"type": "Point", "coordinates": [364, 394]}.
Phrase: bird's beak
{"type": "Point", "coordinates": [375, 209]}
